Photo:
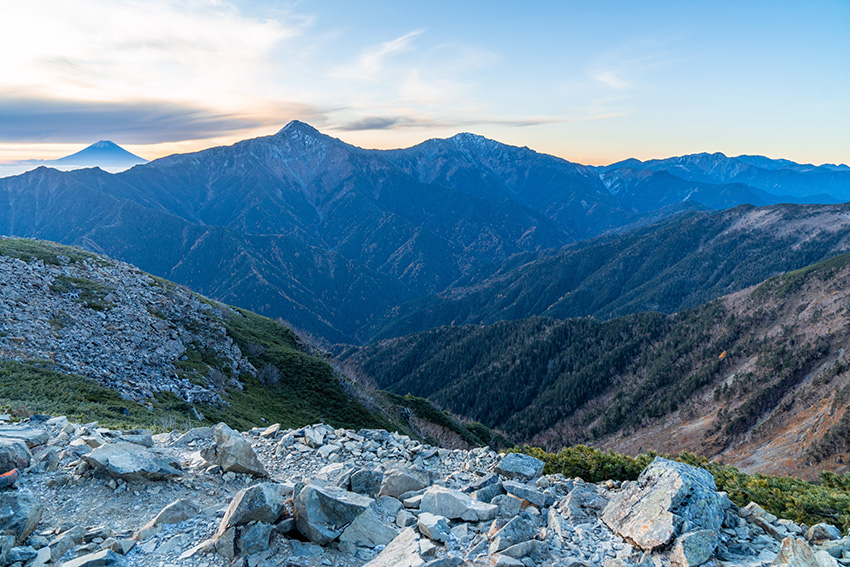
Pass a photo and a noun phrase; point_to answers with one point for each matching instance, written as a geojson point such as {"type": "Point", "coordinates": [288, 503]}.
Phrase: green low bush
{"type": "Point", "coordinates": [792, 498]}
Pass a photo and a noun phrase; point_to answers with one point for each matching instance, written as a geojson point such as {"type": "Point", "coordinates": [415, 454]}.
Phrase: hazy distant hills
{"type": "Point", "coordinates": [329, 236]}
{"type": "Point", "coordinates": [759, 378]}
{"type": "Point", "coordinates": [781, 178]}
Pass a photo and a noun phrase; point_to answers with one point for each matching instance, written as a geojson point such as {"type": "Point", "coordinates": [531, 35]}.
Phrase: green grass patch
{"type": "Point", "coordinates": [47, 252]}
{"type": "Point", "coordinates": [424, 409]}
{"type": "Point", "coordinates": [305, 389]}
{"type": "Point", "coordinates": [786, 497]}
{"type": "Point", "coordinates": [88, 292]}
{"type": "Point", "coordinates": [36, 387]}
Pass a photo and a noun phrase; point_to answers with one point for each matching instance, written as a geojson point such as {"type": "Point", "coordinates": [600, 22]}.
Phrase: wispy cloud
{"type": "Point", "coordinates": [426, 122]}
{"type": "Point", "coordinates": [182, 50]}
{"type": "Point", "coordinates": [372, 62]}
{"type": "Point", "coordinates": [612, 79]}
{"type": "Point", "coordinates": [50, 120]}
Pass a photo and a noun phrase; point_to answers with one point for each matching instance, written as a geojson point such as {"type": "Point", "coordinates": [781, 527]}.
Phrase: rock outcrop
{"type": "Point", "coordinates": [111, 322]}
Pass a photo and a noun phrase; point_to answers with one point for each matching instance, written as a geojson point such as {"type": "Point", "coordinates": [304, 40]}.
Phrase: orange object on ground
{"type": "Point", "coordinates": [9, 478]}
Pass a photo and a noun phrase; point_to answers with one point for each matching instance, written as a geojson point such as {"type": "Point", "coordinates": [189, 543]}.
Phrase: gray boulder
{"type": "Point", "coordinates": [66, 541]}
{"type": "Point", "coordinates": [434, 527]}
{"type": "Point", "coordinates": [129, 461]}
{"type": "Point", "coordinates": [176, 512]}
{"type": "Point", "coordinates": [194, 435]}
{"type": "Point", "coordinates": [516, 531]}
{"type": "Point", "coordinates": [529, 493]}
{"type": "Point", "coordinates": [21, 554]}
{"type": "Point", "coordinates": [365, 481]}
{"type": "Point", "coordinates": [582, 505]}
{"type": "Point", "coordinates": [233, 453]}
{"type": "Point", "coordinates": [403, 551]}
{"type": "Point", "coordinates": [666, 497]}
{"type": "Point", "coordinates": [103, 558]}
{"type": "Point", "coordinates": [795, 552]}
{"type": "Point", "coordinates": [322, 513]}
{"type": "Point", "coordinates": [19, 514]}
{"type": "Point", "coordinates": [7, 542]}
{"type": "Point", "coordinates": [694, 548]}
{"type": "Point", "coordinates": [401, 480]}
{"type": "Point", "coordinates": [518, 465]}
{"type": "Point", "coordinates": [259, 503]}
{"type": "Point", "coordinates": [14, 454]}
{"type": "Point", "coordinates": [32, 436]}
{"type": "Point", "coordinates": [255, 538]}
{"type": "Point", "coordinates": [453, 504]}
{"type": "Point", "coordinates": [822, 532]}
{"type": "Point", "coordinates": [367, 530]}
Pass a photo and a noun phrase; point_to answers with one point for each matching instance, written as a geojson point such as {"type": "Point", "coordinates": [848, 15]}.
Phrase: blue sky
{"type": "Point", "coordinates": [593, 82]}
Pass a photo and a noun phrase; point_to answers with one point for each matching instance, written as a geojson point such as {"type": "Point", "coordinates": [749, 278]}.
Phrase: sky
{"type": "Point", "coordinates": [592, 82]}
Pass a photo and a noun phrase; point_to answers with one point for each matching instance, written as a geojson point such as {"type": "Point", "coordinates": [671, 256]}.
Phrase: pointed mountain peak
{"type": "Point", "coordinates": [298, 127]}
{"type": "Point", "coordinates": [104, 153]}
{"type": "Point", "coordinates": [105, 145]}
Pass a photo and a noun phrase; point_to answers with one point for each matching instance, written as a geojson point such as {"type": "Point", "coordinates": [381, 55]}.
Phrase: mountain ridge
{"type": "Point", "coordinates": [329, 236]}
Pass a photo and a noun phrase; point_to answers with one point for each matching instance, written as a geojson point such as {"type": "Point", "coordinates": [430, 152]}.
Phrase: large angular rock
{"type": "Point", "coordinates": [194, 435]}
{"type": "Point", "coordinates": [795, 552]}
{"type": "Point", "coordinates": [233, 453]}
{"type": "Point", "coordinates": [255, 538]}
{"type": "Point", "coordinates": [129, 461]}
{"type": "Point", "coordinates": [7, 542]}
{"type": "Point", "coordinates": [32, 436]}
{"type": "Point", "coordinates": [582, 505]}
{"type": "Point", "coordinates": [398, 481]}
{"type": "Point", "coordinates": [321, 513]}
{"type": "Point", "coordinates": [514, 532]}
{"type": "Point", "coordinates": [652, 511]}
{"type": "Point", "coordinates": [520, 466]}
{"type": "Point", "coordinates": [259, 503]}
{"type": "Point", "coordinates": [19, 514]}
{"type": "Point", "coordinates": [694, 548]}
{"type": "Point", "coordinates": [367, 530]}
{"type": "Point", "coordinates": [822, 532]}
{"type": "Point", "coordinates": [529, 493]}
{"type": "Point", "coordinates": [365, 481]}
{"type": "Point", "coordinates": [176, 512]}
{"type": "Point", "coordinates": [103, 558]}
{"type": "Point", "coordinates": [453, 504]}
{"type": "Point", "coordinates": [403, 551]}
{"type": "Point", "coordinates": [434, 527]}
{"type": "Point", "coordinates": [14, 454]}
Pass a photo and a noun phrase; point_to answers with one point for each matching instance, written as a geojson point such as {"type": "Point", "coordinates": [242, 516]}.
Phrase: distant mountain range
{"type": "Point", "coordinates": [759, 378]}
{"type": "Point", "coordinates": [104, 154]}
{"type": "Point", "coordinates": [330, 237]}
{"type": "Point", "coordinates": [781, 178]}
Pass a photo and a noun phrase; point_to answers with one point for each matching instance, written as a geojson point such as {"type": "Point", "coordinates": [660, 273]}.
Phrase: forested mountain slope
{"type": "Point", "coordinates": [677, 264]}
{"type": "Point", "coordinates": [759, 378]}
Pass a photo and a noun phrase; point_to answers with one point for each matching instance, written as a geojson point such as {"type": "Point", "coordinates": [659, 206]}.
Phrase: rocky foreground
{"type": "Point", "coordinates": [81, 495]}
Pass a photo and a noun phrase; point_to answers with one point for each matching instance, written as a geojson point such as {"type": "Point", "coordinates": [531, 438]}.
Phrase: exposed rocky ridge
{"type": "Point", "coordinates": [112, 322]}
{"type": "Point", "coordinates": [758, 378]}
{"type": "Point", "coordinates": [346, 498]}
{"type": "Point", "coordinates": [99, 339]}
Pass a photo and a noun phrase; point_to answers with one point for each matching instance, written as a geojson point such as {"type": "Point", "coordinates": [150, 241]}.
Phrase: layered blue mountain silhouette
{"type": "Point", "coordinates": [334, 238]}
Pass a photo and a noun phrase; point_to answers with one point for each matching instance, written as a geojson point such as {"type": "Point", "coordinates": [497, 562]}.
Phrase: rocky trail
{"type": "Point", "coordinates": [318, 496]}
